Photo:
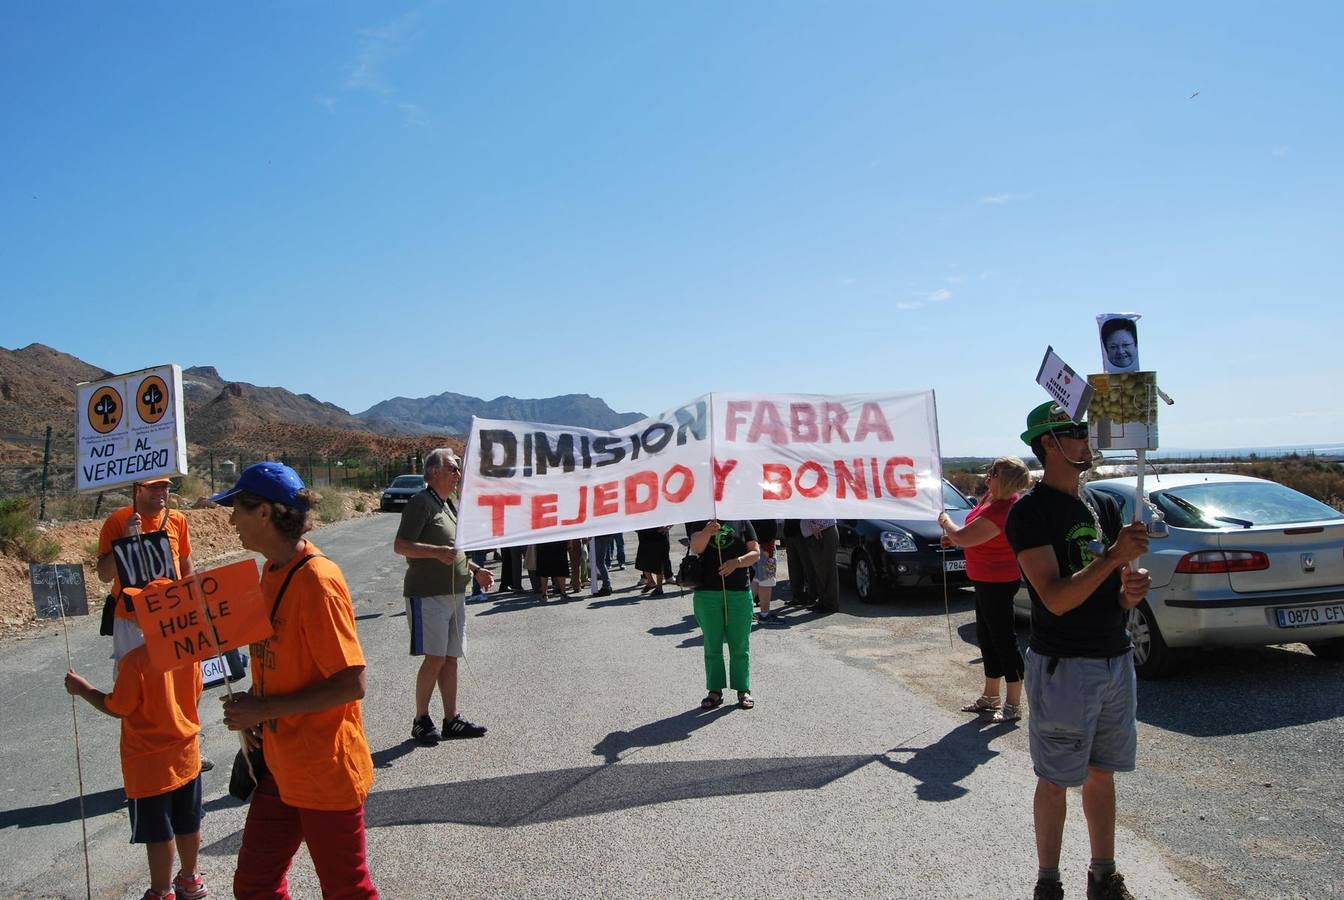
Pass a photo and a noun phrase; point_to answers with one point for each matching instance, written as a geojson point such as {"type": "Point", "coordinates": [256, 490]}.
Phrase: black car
{"type": "Point", "coordinates": [402, 488]}
{"type": "Point", "coordinates": [889, 554]}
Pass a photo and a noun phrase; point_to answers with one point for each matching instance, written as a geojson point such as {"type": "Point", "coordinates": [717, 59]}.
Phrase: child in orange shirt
{"type": "Point", "coordinates": [160, 765]}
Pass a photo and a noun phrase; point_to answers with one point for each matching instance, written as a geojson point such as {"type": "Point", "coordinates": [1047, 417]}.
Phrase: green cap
{"type": "Point", "coordinates": [1044, 419]}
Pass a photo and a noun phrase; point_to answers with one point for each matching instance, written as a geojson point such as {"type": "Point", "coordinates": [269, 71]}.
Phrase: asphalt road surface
{"type": "Point", "coordinates": [600, 777]}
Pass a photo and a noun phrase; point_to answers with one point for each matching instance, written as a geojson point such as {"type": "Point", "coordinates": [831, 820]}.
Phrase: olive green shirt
{"type": "Point", "coordinates": [427, 519]}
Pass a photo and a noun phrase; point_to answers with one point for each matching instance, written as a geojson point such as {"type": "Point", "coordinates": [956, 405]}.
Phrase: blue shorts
{"type": "Point", "coordinates": [163, 817]}
{"type": "Point", "coordinates": [1082, 715]}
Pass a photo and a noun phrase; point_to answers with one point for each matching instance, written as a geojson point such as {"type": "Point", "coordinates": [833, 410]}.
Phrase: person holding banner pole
{"type": "Point", "coordinates": [435, 587]}
{"type": "Point", "coordinates": [992, 568]}
{"type": "Point", "coordinates": [303, 708]}
{"type": "Point", "coordinates": [723, 606]}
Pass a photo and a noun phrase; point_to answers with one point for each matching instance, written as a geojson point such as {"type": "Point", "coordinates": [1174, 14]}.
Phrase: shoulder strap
{"type": "Point", "coordinates": [275, 607]}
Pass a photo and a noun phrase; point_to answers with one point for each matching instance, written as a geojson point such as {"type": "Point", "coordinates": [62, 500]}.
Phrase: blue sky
{"type": "Point", "coordinates": [646, 201]}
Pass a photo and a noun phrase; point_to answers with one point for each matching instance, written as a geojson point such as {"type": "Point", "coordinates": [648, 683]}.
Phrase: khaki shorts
{"type": "Point", "coordinates": [437, 624]}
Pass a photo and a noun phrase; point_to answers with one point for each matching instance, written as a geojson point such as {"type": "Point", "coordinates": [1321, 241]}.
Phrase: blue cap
{"type": "Point", "coordinates": [273, 481]}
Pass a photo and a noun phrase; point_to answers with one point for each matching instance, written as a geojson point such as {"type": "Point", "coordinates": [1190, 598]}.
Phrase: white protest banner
{"type": "Point", "coordinates": [527, 483]}
{"type": "Point", "coordinates": [130, 428]}
{"type": "Point", "coordinates": [1070, 392]}
{"type": "Point", "coordinates": [726, 455]}
{"type": "Point", "coordinates": [806, 456]}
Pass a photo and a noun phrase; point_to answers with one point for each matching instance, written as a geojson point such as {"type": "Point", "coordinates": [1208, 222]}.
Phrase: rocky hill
{"type": "Point", "coordinates": [450, 413]}
{"type": "Point", "coordinates": [37, 389]}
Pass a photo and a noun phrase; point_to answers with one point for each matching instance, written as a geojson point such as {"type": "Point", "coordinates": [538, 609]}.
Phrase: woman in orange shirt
{"type": "Point", "coordinates": [307, 681]}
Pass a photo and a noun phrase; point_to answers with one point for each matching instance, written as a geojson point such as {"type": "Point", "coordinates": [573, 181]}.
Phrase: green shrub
{"type": "Point", "coordinates": [192, 487]}
{"type": "Point", "coordinates": [332, 508]}
{"type": "Point", "coordinates": [19, 535]}
{"type": "Point", "coordinates": [361, 505]}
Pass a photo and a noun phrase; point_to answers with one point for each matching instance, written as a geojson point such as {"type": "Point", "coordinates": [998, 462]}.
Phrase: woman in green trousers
{"type": "Point", "coordinates": [723, 605]}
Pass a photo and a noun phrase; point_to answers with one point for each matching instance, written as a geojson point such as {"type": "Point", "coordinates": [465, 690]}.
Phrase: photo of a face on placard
{"type": "Point", "coordinates": [1119, 342]}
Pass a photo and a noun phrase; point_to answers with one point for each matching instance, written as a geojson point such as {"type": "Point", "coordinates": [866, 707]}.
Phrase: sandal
{"type": "Point", "coordinates": [1010, 713]}
{"type": "Point", "coordinates": [745, 700]}
{"type": "Point", "coordinates": [982, 704]}
{"type": "Point", "coordinates": [712, 700]}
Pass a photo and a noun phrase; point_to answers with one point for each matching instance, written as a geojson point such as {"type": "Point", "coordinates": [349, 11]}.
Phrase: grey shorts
{"type": "Point", "coordinates": [1082, 715]}
{"type": "Point", "coordinates": [437, 624]}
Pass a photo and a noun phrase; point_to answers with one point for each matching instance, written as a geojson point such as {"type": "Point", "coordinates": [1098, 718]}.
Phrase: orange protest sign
{"type": "Point", "coordinates": [178, 625]}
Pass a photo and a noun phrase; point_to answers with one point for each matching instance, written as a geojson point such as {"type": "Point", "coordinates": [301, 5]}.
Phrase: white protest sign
{"type": "Point", "coordinates": [130, 428]}
{"type": "Point", "coordinates": [526, 482]}
{"type": "Point", "coordinates": [1070, 392]}
{"type": "Point", "coordinates": [726, 455]}
{"type": "Point", "coordinates": [806, 456]}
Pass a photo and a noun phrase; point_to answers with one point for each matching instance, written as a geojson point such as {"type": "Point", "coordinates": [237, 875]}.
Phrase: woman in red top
{"type": "Point", "coordinates": [993, 571]}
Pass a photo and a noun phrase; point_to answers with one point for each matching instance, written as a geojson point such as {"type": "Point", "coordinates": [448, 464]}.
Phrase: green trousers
{"type": "Point", "coordinates": [736, 626]}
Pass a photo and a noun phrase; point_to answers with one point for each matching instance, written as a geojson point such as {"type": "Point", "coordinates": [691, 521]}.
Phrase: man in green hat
{"type": "Point", "coordinates": [1077, 556]}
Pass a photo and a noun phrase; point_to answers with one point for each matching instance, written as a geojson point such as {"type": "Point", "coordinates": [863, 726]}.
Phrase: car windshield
{"type": "Point", "coordinates": [408, 481]}
{"type": "Point", "coordinates": [952, 498]}
{"type": "Point", "coordinates": [1245, 503]}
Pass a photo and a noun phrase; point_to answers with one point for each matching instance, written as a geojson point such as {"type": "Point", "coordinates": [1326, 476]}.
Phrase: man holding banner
{"type": "Point", "coordinates": [435, 586]}
{"type": "Point", "coordinates": [144, 560]}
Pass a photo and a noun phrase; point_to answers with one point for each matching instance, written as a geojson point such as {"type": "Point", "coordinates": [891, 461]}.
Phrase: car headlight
{"type": "Point", "coordinates": [387, 496]}
{"type": "Point", "coordinates": [898, 542]}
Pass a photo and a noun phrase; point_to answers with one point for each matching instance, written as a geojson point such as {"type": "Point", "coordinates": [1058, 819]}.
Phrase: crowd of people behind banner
{"type": "Point", "coordinates": [303, 707]}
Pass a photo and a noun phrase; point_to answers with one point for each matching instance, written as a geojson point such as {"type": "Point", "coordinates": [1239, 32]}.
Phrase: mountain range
{"type": "Point", "coordinates": [37, 389]}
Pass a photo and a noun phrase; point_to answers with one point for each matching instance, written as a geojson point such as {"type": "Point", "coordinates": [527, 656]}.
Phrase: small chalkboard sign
{"type": "Point", "coordinates": [56, 585]}
{"type": "Point", "coordinates": [141, 558]}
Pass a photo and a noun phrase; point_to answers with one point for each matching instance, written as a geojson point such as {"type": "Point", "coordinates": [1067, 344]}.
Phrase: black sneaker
{"type": "Point", "coordinates": [604, 591]}
{"type": "Point", "coordinates": [206, 764]}
{"type": "Point", "coordinates": [1110, 886]}
{"type": "Point", "coordinates": [458, 727]}
{"type": "Point", "coordinates": [1051, 890]}
{"type": "Point", "coordinates": [423, 730]}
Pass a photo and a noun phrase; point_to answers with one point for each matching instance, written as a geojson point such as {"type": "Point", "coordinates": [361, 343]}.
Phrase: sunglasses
{"type": "Point", "coordinates": [1077, 432]}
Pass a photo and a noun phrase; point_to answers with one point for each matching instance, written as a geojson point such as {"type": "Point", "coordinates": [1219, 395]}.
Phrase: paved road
{"type": "Point", "coordinates": [600, 777]}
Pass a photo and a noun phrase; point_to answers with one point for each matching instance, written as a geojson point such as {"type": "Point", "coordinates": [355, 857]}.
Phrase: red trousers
{"type": "Point", "coordinates": [272, 836]}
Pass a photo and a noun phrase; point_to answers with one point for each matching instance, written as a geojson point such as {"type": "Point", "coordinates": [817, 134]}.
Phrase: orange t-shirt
{"type": "Point", "coordinates": [320, 759]}
{"type": "Point", "coordinates": [159, 724]}
{"type": "Point", "coordinates": [114, 528]}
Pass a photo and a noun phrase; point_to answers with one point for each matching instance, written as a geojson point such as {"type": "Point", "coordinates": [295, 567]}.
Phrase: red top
{"type": "Point", "coordinates": [994, 560]}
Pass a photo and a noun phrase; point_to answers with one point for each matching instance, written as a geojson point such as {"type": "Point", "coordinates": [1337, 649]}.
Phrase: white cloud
{"type": "Point", "coordinates": [956, 279]}
{"type": "Point", "coordinates": [1003, 199]}
{"type": "Point", "coordinates": [378, 46]}
{"type": "Point", "coordinates": [907, 305]}
{"type": "Point", "coordinates": [1280, 151]}
{"type": "Point", "coordinates": [942, 295]}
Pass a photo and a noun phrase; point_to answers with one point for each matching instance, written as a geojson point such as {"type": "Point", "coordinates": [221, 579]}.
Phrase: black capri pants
{"type": "Point", "coordinates": [995, 630]}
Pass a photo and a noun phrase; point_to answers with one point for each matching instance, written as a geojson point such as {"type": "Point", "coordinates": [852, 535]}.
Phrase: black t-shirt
{"type": "Point", "coordinates": [1048, 517]}
{"type": "Point", "coordinates": [730, 542]}
{"type": "Point", "coordinates": [767, 530]}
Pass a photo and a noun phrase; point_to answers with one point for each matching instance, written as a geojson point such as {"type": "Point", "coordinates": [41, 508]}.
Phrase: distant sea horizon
{"type": "Point", "coordinates": [1323, 448]}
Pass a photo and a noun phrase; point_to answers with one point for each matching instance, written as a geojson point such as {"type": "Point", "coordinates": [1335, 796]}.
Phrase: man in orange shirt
{"type": "Point", "coordinates": [160, 764]}
{"type": "Point", "coordinates": [147, 513]}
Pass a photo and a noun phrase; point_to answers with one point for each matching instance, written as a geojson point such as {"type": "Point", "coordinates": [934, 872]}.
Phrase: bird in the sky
{"type": "Point", "coordinates": [1193, 96]}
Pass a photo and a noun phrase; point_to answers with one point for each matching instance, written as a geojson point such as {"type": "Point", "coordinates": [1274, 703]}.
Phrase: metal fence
{"type": "Point", "coordinates": [42, 470]}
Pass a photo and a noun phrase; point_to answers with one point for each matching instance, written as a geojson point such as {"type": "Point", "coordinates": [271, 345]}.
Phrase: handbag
{"type": "Point", "coordinates": [688, 572]}
{"type": "Point", "coordinates": [243, 778]}
{"type": "Point", "coordinates": [249, 766]}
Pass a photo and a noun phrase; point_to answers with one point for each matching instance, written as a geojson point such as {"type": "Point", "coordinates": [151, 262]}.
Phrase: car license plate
{"type": "Point", "coordinates": [954, 565]}
{"type": "Point", "coordinates": [1303, 616]}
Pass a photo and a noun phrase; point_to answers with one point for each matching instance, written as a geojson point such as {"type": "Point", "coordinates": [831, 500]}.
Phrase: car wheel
{"type": "Point", "coordinates": [1332, 649]}
{"type": "Point", "coordinates": [865, 580]}
{"type": "Point", "coordinates": [1152, 657]}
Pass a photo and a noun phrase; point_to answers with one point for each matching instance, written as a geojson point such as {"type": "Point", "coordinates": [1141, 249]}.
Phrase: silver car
{"type": "Point", "coordinates": [1248, 562]}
